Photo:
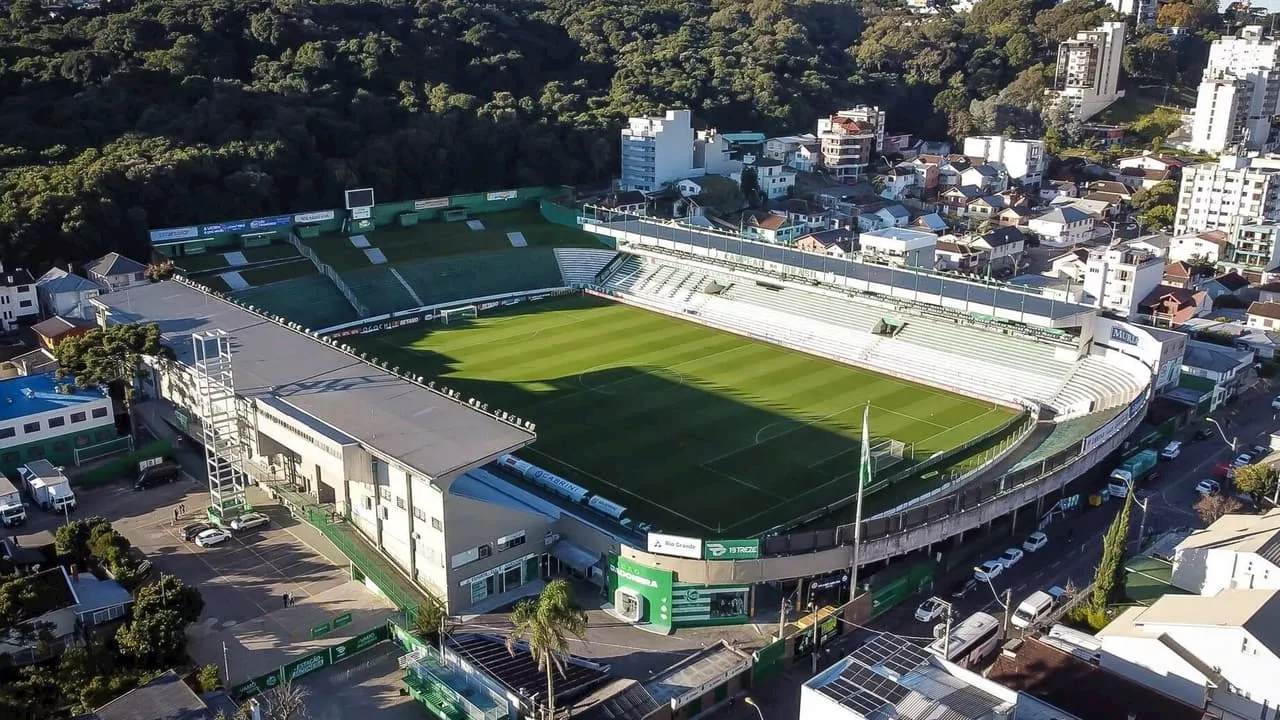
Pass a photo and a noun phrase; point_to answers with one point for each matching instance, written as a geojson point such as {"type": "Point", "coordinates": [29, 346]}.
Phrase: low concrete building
{"type": "Point", "coordinates": [114, 272]}
{"type": "Point", "coordinates": [898, 246]}
{"type": "Point", "coordinates": [1236, 551]}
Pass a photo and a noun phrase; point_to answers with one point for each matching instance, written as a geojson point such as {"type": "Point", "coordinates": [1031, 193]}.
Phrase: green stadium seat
{"type": "Point", "coordinates": [443, 279]}
{"type": "Point", "coordinates": [312, 301]}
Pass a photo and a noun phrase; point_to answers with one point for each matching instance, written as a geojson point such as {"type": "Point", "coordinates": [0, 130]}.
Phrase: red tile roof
{"type": "Point", "coordinates": [1082, 688]}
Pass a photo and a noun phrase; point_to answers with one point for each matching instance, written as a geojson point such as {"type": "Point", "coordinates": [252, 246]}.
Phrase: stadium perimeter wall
{"type": "Point", "coordinates": [795, 555]}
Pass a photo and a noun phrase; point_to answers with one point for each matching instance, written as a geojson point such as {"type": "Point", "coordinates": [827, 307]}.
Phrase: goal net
{"type": "Point", "coordinates": [458, 313]}
{"type": "Point", "coordinates": [887, 453]}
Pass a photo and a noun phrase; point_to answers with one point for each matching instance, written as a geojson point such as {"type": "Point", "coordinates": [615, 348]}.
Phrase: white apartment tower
{"type": "Point", "coordinates": [1239, 94]}
{"type": "Point", "coordinates": [1024, 160]}
{"type": "Point", "coordinates": [1231, 192]}
{"type": "Point", "coordinates": [1118, 278]}
{"type": "Point", "coordinates": [657, 150]}
{"type": "Point", "coordinates": [1088, 70]}
{"type": "Point", "coordinates": [1142, 11]}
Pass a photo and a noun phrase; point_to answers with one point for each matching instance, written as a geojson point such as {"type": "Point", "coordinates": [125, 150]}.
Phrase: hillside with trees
{"type": "Point", "coordinates": [168, 112]}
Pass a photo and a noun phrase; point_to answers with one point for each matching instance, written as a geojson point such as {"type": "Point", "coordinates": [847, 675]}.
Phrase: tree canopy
{"type": "Point", "coordinates": [106, 357]}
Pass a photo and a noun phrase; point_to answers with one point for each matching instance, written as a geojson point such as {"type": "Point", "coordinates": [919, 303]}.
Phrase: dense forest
{"type": "Point", "coordinates": [168, 112]}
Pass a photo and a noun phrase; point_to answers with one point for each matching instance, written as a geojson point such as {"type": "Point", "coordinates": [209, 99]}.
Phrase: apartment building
{"type": "Point", "coordinates": [1024, 161]}
{"type": "Point", "coordinates": [18, 299]}
{"type": "Point", "coordinates": [1234, 191]}
{"type": "Point", "coordinates": [1142, 11]}
{"type": "Point", "coordinates": [850, 139]}
{"type": "Point", "coordinates": [1239, 94]}
{"type": "Point", "coordinates": [657, 150]}
{"type": "Point", "coordinates": [1119, 278]}
{"type": "Point", "coordinates": [1088, 70]}
{"type": "Point", "coordinates": [1255, 247]}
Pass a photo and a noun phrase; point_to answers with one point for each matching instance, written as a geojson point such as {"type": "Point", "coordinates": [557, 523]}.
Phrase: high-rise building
{"type": "Point", "coordinates": [1118, 278]}
{"type": "Point", "coordinates": [657, 150]}
{"type": "Point", "coordinates": [1142, 11]}
{"type": "Point", "coordinates": [1024, 160]}
{"type": "Point", "coordinates": [1239, 94]}
{"type": "Point", "coordinates": [1088, 71]}
{"type": "Point", "coordinates": [850, 139]}
{"type": "Point", "coordinates": [1231, 192]}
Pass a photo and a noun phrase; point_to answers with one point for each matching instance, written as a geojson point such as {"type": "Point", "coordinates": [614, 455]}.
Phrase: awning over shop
{"type": "Point", "coordinates": [576, 557]}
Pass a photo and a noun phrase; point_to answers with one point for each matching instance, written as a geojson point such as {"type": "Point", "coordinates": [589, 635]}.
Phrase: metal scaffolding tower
{"type": "Point", "coordinates": [221, 424]}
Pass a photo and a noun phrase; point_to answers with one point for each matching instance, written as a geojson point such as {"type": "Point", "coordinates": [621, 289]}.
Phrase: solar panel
{"type": "Point", "coordinates": [892, 652]}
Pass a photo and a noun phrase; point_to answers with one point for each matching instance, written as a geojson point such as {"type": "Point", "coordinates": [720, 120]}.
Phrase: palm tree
{"type": "Point", "coordinates": [544, 624]}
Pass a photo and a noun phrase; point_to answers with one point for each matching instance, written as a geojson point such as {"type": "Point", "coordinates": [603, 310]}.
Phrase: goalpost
{"type": "Point", "coordinates": [458, 313]}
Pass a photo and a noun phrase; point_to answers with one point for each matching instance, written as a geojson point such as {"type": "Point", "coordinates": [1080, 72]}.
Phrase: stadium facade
{"type": "Point", "coordinates": [419, 471]}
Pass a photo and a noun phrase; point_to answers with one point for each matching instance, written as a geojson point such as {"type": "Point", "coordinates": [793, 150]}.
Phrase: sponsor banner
{"type": "Point", "coordinates": [376, 327]}
{"type": "Point", "coordinates": [652, 584]}
{"type": "Point", "coordinates": [536, 298]}
{"type": "Point", "coordinates": [431, 203]}
{"type": "Point", "coordinates": [314, 217]}
{"type": "Point", "coordinates": [321, 629]}
{"type": "Point", "coordinates": [357, 644]}
{"type": "Point", "coordinates": [256, 686]}
{"type": "Point", "coordinates": [360, 225]}
{"type": "Point", "coordinates": [698, 604]}
{"type": "Point", "coordinates": [512, 301]}
{"type": "Point", "coordinates": [731, 550]}
{"type": "Point", "coordinates": [361, 213]}
{"type": "Point", "coordinates": [501, 195]}
{"type": "Point", "coordinates": [236, 226]}
{"type": "Point", "coordinates": [270, 223]}
{"type": "Point", "coordinates": [306, 666]}
{"type": "Point", "coordinates": [685, 547]}
{"type": "Point", "coordinates": [489, 305]}
{"type": "Point", "coordinates": [1121, 334]}
{"type": "Point", "coordinates": [170, 234]}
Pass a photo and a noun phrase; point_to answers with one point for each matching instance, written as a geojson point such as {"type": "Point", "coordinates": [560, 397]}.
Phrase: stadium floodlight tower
{"type": "Point", "coordinates": [220, 421]}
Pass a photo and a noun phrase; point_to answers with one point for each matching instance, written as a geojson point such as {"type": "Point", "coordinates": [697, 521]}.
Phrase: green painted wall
{"type": "Point", "coordinates": [58, 450]}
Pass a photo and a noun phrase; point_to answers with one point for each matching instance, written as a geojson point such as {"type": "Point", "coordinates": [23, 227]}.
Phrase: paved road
{"type": "Point", "coordinates": [1170, 499]}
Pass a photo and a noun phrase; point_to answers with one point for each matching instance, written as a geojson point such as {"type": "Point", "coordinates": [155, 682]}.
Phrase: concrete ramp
{"type": "Point", "coordinates": [234, 281]}
{"type": "Point", "coordinates": [375, 256]}
{"type": "Point", "coordinates": [235, 259]}
{"type": "Point", "coordinates": [359, 241]}
{"type": "Point", "coordinates": [475, 224]}
{"type": "Point", "coordinates": [517, 239]}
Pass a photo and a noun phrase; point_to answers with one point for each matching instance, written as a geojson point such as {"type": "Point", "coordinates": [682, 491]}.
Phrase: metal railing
{"type": "Point", "coordinates": [328, 272]}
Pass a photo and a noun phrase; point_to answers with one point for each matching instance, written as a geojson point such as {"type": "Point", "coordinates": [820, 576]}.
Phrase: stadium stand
{"type": "Point", "coordinates": [379, 290]}
{"type": "Point", "coordinates": [438, 280]}
{"type": "Point", "coordinates": [928, 348]}
{"type": "Point", "coordinates": [579, 266]}
{"type": "Point", "coordinates": [312, 301]}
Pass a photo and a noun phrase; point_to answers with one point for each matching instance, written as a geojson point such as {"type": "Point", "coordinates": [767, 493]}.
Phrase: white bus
{"type": "Point", "coordinates": [971, 642]}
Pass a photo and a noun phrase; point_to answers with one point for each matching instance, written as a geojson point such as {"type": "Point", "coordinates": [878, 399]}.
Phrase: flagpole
{"type": "Point", "coordinates": [864, 472]}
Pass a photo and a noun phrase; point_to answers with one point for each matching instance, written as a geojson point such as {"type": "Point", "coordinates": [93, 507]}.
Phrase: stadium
{"type": "Point", "coordinates": [689, 404]}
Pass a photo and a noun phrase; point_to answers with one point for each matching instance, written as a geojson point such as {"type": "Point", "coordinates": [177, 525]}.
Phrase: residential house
{"type": "Point", "coordinates": [57, 328]}
{"type": "Point", "coordinates": [1016, 216]}
{"type": "Point", "coordinates": [114, 272]}
{"type": "Point", "coordinates": [935, 147]}
{"type": "Point", "coordinates": [1150, 161]}
{"type": "Point", "coordinates": [1003, 246]}
{"type": "Point", "coordinates": [896, 143]}
{"type": "Point", "coordinates": [1118, 278]}
{"type": "Point", "coordinates": [898, 246]}
{"type": "Point", "coordinates": [929, 222]}
{"type": "Point", "coordinates": [1059, 672]}
{"type": "Point", "coordinates": [1096, 209]}
{"type": "Point", "coordinates": [1062, 226]}
{"type": "Point", "coordinates": [783, 148]}
{"type": "Point", "coordinates": [1235, 551]}
{"type": "Point", "coordinates": [833, 243]}
{"type": "Point", "coordinates": [1168, 306]}
{"type": "Point", "coordinates": [630, 202]}
{"type": "Point", "coordinates": [19, 303]}
{"type": "Point", "coordinates": [1139, 179]}
{"type": "Point", "coordinates": [771, 228]}
{"type": "Point", "coordinates": [1219, 372]}
{"type": "Point", "coordinates": [1220, 653]}
{"type": "Point", "coordinates": [896, 181]}
{"type": "Point", "coordinates": [985, 177]}
{"type": "Point", "coordinates": [61, 292]}
{"type": "Point", "coordinates": [1023, 160]}
{"type": "Point", "coordinates": [1110, 202]}
{"type": "Point", "coordinates": [1156, 244]}
{"type": "Point", "coordinates": [1209, 246]}
{"type": "Point", "coordinates": [1110, 187]}
{"type": "Point", "coordinates": [1055, 189]}
{"type": "Point", "coordinates": [688, 187]}
{"type": "Point", "coordinates": [1269, 292]}
{"type": "Point", "coordinates": [723, 153]}
{"type": "Point", "coordinates": [927, 177]}
{"type": "Point", "coordinates": [951, 255]}
{"type": "Point", "coordinates": [1231, 283]}
{"type": "Point", "coordinates": [1180, 275]}
{"type": "Point", "coordinates": [877, 215]}
{"type": "Point", "coordinates": [166, 697]}
{"type": "Point", "coordinates": [813, 216]}
{"type": "Point", "coordinates": [936, 172]}
{"type": "Point", "coordinates": [1057, 289]}
{"type": "Point", "coordinates": [1264, 315]}
{"type": "Point", "coordinates": [984, 207]}
{"type": "Point", "coordinates": [954, 201]}
{"type": "Point", "coordinates": [1070, 264]}
{"type": "Point", "coordinates": [850, 139]}
{"type": "Point", "coordinates": [774, 179]}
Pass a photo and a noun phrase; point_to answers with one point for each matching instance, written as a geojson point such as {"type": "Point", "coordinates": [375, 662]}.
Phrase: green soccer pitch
{"type": "Point", "coordinates": [695, 430]}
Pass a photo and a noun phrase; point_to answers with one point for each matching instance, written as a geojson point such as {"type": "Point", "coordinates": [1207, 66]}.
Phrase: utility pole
{"type": "Point", "coordinates": [782, 617]}
{"type": "Point", "coordinates": [1008, 608]}
{"type": "Point", "coordinates": [813, 606]}
{"type": "Point", "coordinates": [226, 664]}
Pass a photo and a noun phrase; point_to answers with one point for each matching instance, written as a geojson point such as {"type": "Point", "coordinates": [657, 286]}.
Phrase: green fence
{"type": "Point", "coordinates": [379, 571]}
{"type": "Point", "coordinates": [123, 443]}
{"type": "Point", "coordinates": [319, 660]}
{"type": "Point", "coordinates": [119, 467]}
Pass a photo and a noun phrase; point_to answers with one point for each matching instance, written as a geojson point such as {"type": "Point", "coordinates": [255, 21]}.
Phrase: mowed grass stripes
{"type": "Point", "coordinates": [693, 429]}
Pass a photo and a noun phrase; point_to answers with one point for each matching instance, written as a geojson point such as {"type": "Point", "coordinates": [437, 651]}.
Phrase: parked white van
{"type": "Point", "coordinates": [1032, 610]}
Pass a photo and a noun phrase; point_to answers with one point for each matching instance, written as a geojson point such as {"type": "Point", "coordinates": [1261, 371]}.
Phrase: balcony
{"type": "Point", "coordinates": [449, 693]}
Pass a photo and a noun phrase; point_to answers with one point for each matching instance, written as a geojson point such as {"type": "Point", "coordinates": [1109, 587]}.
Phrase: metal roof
{"type": "Point", "coordinates": [416, 426]}
{"type": "Point", "coordinates": [916, 281]}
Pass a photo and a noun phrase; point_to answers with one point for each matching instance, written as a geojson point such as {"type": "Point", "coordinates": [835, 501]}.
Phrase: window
{"type": "Point", "coordinates": [24, 288]}
{"type": "Point", "coordinates": [77, 417]}
{"type": "Point", "coordinates": [419, 514]}
{"type": "Point", "coordinates": [7, 432]}
{"type": "Point", "coordinates": [437, 525]}
{"type": "Point", "coordinates": [31, 427]}
{"type": "Point", "coordinates": [507, 542]}
{"type": "Point", "coordinates": [368, 503]}
{"type": "Point", "coordinates": [57, 422]}
{"type": "Point", "coordinates": [399, 502]}
{"type": "Point", "coordinates": [485, 551]}
{"type": "Point", "coordinates": [100, 412]}
{"type": "Point", "coordinates": [27, 303]}
{"type": "Point", "coordinates": [385, 493]}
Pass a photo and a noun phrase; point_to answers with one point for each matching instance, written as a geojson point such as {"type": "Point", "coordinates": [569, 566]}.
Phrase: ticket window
{"type": "Point", "coordinates": [629, 604]}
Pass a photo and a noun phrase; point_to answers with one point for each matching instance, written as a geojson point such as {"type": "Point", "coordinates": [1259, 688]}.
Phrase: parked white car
{"type": "Point", "coordinates": [930, 610]}
{"type": "Point", "coordinates": [249, 521]}
{"type": "Point", "coordinates": [209, 538]}
{"type": "Point", "coordinates": [1010, 557]}
{"type": "Point", "coordinates": [1241, 460]}
{"type": "Point", "coordinates": [988, 571]}
{"type": "Point", "coordinates": [1207, 487]}
{"type": "Point", "coordinates": [1171, 451]}
{"type": "Point", "coordinates": [1035, 541]}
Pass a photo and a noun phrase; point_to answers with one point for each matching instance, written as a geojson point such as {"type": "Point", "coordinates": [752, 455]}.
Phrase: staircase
{"type": "Point", "coordinates": [328, 272]}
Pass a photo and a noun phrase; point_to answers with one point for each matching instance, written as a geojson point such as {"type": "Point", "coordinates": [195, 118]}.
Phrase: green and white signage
{"type": "Point", "coordinates": [709, 604]}
{"type": "Point", "coordinates": [731, 550]}
{"type": "Point", "coordinates": [640, 593]}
